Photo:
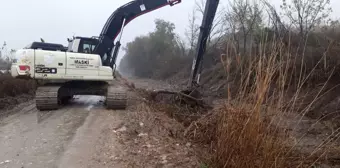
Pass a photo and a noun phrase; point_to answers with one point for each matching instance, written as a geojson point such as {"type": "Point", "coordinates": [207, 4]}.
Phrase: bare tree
{"type": "Point", "coordinates": [306, 14]}
{"type": "Point", "coordinates": [192, 31]}
{"type": "Point", "coordinates": [275, 19]}
{"type": "Point", "coordinates": [218, 29]}
{"type": "Point", "coordinates": [244, 19]}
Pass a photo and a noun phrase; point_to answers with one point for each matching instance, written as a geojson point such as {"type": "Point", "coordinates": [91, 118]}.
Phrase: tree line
{"type": "Point", "coordinates": [240, 27]}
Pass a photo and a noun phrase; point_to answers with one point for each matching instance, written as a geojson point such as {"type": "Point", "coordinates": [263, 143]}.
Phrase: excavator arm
{"type": "Point", "coordinates": [205, 29]}
{"type": "Point", "coordinates": [126, 13]}
{"type": "Point", "coordinates": [118, 20]}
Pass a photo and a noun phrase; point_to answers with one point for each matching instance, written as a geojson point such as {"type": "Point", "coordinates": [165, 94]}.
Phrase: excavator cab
{"type": "Point", "coordinates": [82, 45]}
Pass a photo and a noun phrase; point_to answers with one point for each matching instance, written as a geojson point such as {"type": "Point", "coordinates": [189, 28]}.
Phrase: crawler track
{"type": "Point", "coordinates": [47, 98]}
{"type": "Point", "coordinates": [116, 98]}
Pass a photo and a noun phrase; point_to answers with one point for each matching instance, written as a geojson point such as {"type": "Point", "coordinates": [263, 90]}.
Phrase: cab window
{"type": "Point", "coordinates": [87, 47]}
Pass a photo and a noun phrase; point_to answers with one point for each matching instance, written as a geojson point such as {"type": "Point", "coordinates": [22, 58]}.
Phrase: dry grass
{"type": "Point", "coordinates": [246, 141]}
{"type": "Point", "coordinates": [271, 91]}
{"type": "Point", "coordinates": [269, 95]}
{"type": "Point", "coordinates": [11, 87]}
{"type": "Point", "coordinates": [250, 128]}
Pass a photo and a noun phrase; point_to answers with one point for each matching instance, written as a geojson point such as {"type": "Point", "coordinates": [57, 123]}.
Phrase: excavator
{"type": "Point", "coordinates": [87, 65]}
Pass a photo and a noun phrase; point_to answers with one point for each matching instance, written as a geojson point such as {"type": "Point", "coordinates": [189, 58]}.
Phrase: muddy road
{"type": "Point", "coordinates": [81, 134]}
{"type": "Point", "coordinates": [53, 142]}
{"type": "Point", "coordinates": [65, 138]}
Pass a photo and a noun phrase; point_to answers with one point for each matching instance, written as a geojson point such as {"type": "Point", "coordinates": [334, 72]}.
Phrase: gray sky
{"type": "Point", "coordinates": [24, 21]}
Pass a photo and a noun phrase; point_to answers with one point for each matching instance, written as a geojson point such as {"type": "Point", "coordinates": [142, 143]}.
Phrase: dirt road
{"type": "Point", "coordinates": [26, 143]}
{"type": "Point", "coordinates": [81, 134]}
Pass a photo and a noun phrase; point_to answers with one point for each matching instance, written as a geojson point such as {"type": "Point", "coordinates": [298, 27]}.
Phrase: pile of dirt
{"type": "Point", "coordinates": [152, 138]}
{"type": "Point", "coordinates": [157, 137]}
{"type": "Point", "coordinates": [315, 118]}
{"type": "Point", "coordinates": [149, 136]}
{"type": "Point", "coordinates": [9, 102]}
{"type": "Point", "coordinates": [14, 91]}
{"type": "Point", "coordinates": [213, 80]}
{"type": "Point", "coordinates": [312, 127]}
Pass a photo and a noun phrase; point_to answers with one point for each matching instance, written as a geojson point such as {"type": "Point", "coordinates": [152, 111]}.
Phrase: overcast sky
{"type": "Point", "coordinates": [24, 21]}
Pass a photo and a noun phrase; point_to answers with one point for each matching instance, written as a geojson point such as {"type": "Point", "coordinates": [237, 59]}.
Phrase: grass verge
{"type": "Point", "coordinates": [13, 90]}
{"type": "Point", "coordinates": [259, 124]}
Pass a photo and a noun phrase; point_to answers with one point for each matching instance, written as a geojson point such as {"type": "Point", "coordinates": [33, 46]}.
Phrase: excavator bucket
{"type": "Point", "coordinates": [190, 97]}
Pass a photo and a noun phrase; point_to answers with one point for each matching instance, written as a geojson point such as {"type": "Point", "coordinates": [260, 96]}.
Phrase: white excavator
{"type": "Point", "coordinates": [87, 66]}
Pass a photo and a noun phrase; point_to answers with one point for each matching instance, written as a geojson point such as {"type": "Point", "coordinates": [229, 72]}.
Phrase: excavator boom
{"type": "Point", "coordinates": [126, 13]}
{"type": "Point", "coordinates": [119, 19]}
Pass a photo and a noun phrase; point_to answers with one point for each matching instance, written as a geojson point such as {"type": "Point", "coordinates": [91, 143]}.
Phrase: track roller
{"type": "Point", "coordinates": [46, 98]}
{"type": "Point", "coordinates": [116, 98]}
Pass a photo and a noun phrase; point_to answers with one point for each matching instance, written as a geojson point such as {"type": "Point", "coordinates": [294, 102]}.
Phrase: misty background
{"type": "Point", "coordinates": [25, 21]}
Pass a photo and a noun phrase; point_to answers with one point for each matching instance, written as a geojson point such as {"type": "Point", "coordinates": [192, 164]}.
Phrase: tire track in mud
{"type": "Point", "coordinates": [26, 143]}
{"type": "Point", "coordinates": [81, 134]}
